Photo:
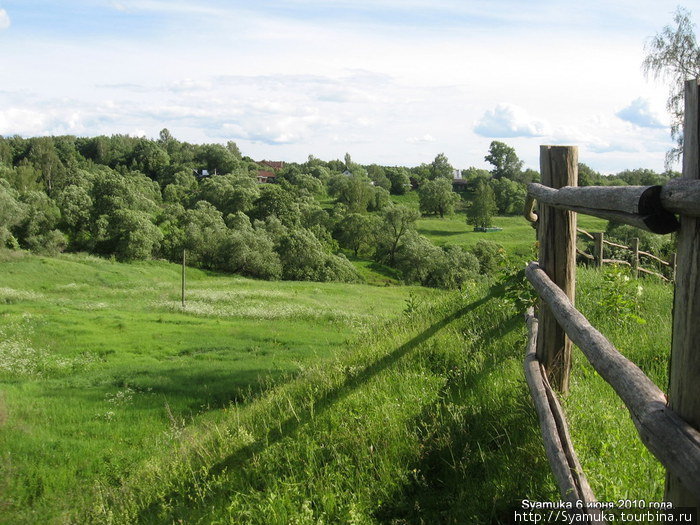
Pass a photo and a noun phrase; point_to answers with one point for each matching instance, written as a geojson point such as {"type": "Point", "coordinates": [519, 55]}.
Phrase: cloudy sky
{"type": "Point", "coordinates": [389, 81]}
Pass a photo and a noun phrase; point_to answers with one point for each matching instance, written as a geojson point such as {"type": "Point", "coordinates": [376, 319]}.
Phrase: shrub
{"type": "Point", "coordinates": [304, 259]}
{"type": "Point", "coordinates": [490, 256]}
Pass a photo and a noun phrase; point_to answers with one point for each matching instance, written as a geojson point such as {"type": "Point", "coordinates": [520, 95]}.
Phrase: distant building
{"type": "Point", "coordinates": [266, 176]}
{"type": "Point", "coordinates": [274, 164]}
{"type": "Point", "coordinates": [202, 174]}
{"type": "Point", "coordinates": [457, 174]}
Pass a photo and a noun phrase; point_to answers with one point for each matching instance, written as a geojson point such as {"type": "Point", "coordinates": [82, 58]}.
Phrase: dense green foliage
{"type": "Point", "coordinates": [137, 199]}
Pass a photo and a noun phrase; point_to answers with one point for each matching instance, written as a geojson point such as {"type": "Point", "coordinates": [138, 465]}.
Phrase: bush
{"type": "Point", "coordinates": [490, 256]}
{"type": "Point", "coordinates": [304, 259]}
{"type": "Point", "coordinates": [133, 235]}
{"type": "Point", "coordinates": [250, 252]}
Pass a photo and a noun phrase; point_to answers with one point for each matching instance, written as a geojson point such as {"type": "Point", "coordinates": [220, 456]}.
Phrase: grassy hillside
{"type": "Point", "coordinates": [287, 402]}
{"type": "Point", "coordinates": [100, 366]}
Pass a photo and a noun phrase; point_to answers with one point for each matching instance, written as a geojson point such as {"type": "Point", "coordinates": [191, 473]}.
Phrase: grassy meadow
{"type": "Point", "coordinates": [100, 365]}
{"type": "Point", "coordinates": [297, 402]}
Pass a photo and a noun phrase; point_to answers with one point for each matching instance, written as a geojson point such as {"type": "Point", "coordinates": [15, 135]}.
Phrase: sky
{"type": "Point", "coordinates": [392, 82]}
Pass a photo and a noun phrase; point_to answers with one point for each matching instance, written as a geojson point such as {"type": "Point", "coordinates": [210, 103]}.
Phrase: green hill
{"type": "Point", "coordinates": [289, 402]}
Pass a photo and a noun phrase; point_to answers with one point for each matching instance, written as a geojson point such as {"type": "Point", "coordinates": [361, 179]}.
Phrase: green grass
{"type": "Point", "coordinates": [517, 237]}
{"type": "Point", "coordinates": [426, 416]}
{"type": "Point", "coordinates": [282, 402]}
{"type": "Point", "coordinates": [100, 366]}
{"type": "Point", "coordinates": [612, 455]}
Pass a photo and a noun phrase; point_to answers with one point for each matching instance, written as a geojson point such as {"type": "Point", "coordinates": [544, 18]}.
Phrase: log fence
{"type": "Point", "coordinates": [667, 425]}
{"type": "Point", "coordinates": [599, 260]}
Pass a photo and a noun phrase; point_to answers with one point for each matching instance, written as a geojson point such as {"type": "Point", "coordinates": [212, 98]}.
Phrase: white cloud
{"type": "Point", "coordinates": [425, 139]}
{"type": "Point", "coordinates": [189, 84]}
{"type": "Point", "coordinates": [33, 121]}
{"type": "Point", "coordinates": [640, 113]}
{"type": "Point", "coordinates": [509, 120]}
{"type": "Point", "coordinates": [4, 19]}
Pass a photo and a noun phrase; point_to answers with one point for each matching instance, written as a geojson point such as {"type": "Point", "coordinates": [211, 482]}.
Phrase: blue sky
{"type": "Point", "coordinates": [389, 81]}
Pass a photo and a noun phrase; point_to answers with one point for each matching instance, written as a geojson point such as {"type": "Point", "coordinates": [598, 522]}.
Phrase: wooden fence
{"type": "Point", "coordinates": [598, 256]}
{"type": "Point", "coordinates": [668, 426]}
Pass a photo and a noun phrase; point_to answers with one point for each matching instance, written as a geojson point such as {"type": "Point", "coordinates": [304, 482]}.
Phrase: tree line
{"type": "Point", "coordinates": [134, 198]}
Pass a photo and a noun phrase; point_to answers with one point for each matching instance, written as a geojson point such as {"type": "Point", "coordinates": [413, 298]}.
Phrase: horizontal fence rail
{"type": "Point", "coordinates": [682, 196]}
{"type": "Point", "coordinates": [672, 440]}
{"type": "Point", "coordinates": [638, 206]}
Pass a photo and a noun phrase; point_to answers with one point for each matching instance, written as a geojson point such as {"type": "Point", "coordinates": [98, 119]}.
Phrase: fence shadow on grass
{"type": "Point", "coordinates": [290, 425]}
{"type": "Point", "coordinates": [480, 464]}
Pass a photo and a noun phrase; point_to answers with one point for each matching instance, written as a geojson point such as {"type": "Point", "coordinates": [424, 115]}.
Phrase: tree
{"type": "Point", "coordinates": [587, 176]}
{"type": "Point", "coordinates": [490, 255]}
{"type": "Point", "coordinates": [436, 196]}
{"type": "Point", "coordinates": [377, 174]}
{"type": "Point", "coordinates": [42, 154]}
{"type": "Point", "coordinates": [441, 168]}
{"type": "Point", "coordinates": [249, 252]}
{"type": "Point", "coordinates": [150, 158]}
{"type": "Point", "coordinates": [12, 212]}
{"type": "Point", "coordinates": [400, 180]}
{"type": "Point", "coordinates": [483, 208]}
{"type": "Point", "coordinates": [510, 196]}
{"type": "Point", "coordinates": [230, 193]}
{"type": "Point", "coordinates": [356, 231]}
{"type": "Point", "coordinates": [277, 202]}
{"type": "Point", "coordinates": [673, 54]}
{"type": "Point", "coordinates": [304, 258]}
{"type": "Point", "coordinates": [134, 235]}
{"type": "Point", "coordinates": [506, 163]}
{"type": "Point", "coordinates": [354, 191]}
{"type": "Point", "coordinates": [397, 222]}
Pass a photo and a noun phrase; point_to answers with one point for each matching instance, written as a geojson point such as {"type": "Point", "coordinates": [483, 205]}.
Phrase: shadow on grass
{"type": "Point", "coordinates": [322, 405]}
{"type": "Point", "coordinates": [478, 466]}
{"type": "Point", "coordinates": [440, 233]}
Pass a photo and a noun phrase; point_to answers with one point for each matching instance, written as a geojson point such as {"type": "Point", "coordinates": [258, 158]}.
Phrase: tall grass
{"type": "Point", "coordinates": [424, 417]}
{"type": "Point", "coordinates": [100, 367]}
{"type": "Point", "coordinates": [427, 414]}
{"type": "Point", "coordinates": [636, 316]}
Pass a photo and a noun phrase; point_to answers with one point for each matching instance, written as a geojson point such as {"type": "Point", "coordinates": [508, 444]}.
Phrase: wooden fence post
{"type": "Point", "coordinates": [556, 233]}
{"type": "Point", "coordinates": [184, 261]}
{"type": "Point", "coordinates": [635, 258]}
{"type": "Point", "coordinates": [684, 376]}
{"type": "Point", "coordinates": [598, 249]}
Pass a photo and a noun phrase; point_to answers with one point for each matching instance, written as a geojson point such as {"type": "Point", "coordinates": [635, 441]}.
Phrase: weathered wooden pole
{"type": "Point", "coordinates": [184, 252]}
{"type": "Point", "coordinates": [556, 233]}
{"type": "Point", "coordinates": [684, 377]}
{"type": "Point", "coordinates": [635, 258]}
{"type": "Point", "coordinates": [598, 249]}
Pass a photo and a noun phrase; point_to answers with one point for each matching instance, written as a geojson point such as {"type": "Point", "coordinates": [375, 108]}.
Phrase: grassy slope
{"type": "Point", "coordinates": [100, 367]}
{"type": "Point", "coordinates": [425, 417]}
